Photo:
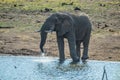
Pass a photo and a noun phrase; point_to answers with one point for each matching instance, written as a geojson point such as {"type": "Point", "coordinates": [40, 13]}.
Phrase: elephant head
{"type": "Point", "coordinates": [56, 22]}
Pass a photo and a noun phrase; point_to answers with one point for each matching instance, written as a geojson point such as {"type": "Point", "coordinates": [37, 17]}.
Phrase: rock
{"type": "Point", "coordinates": [76, 8]}
{"type": "Point", "coordinates": [46, 10]}
{"type": "Point", "coordinates": [102, 5]}
{"type": "Point", "coordinates": [38, 21]}
{"type": "Point", "coordinates": [15, 5]}
{"type": "Point", "coordinates": [105, 26]}
{"type": "Point", "coordinates": [111, 30]}
{"type": "Point", "coordinates": [110, 57]}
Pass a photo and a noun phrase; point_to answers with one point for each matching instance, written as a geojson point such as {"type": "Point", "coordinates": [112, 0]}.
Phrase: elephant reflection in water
{"type": "Point", "coordinates": [76, 29]}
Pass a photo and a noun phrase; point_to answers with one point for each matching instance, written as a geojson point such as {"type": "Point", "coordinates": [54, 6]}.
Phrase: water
{"type": "Point", "coordinates": [43, 54]}
{"type": "Point", "coordinates": [47, 68]}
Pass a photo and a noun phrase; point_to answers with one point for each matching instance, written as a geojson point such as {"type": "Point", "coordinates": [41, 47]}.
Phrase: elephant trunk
{"type": "Point", "coordinates": [43, 40]}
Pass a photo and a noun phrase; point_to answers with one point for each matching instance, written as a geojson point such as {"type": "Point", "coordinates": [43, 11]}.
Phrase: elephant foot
{"type": "Point", "coordinates": [75, 61]}
{"type": "Point", "coordinates": [61, 61]}
{"type": "Point", "coordinates": [84, 60]}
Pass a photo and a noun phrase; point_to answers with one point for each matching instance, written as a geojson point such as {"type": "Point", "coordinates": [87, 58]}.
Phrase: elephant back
{"type": "Point", "coordinates": [82, 26]}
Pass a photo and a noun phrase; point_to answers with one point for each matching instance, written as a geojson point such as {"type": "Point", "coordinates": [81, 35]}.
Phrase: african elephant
{"type": "Point", "coordinates": [76, 29]}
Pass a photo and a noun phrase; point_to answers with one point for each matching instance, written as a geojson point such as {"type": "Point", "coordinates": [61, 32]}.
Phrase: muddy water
{"type": "Point", "coordinates": [47, 68]}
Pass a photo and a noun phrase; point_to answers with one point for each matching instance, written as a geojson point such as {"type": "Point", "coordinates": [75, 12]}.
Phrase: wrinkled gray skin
{"type": "Point", "coordinates": [76, 29]}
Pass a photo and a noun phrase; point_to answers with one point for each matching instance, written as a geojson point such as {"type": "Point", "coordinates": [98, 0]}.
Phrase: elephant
{"type": "Point", "coordinates": [76, 29]}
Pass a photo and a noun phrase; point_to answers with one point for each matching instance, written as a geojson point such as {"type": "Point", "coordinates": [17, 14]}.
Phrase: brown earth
{"type": "Point", "coordinates": [104, 44]}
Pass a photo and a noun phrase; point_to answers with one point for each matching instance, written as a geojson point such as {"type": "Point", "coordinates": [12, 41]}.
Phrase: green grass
{"type": "Point", "coordinates": [90, 7]}
{"type": "Point", "coordinates": [93, 7]}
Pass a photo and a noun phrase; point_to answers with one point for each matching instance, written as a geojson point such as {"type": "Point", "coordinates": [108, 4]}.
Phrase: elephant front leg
{"type": "Point", "coordinates": [78, 51]}
{"type": "Point", "coordinates": [72, 47]}
{"type": "Point", "coordinates": [60, 41]}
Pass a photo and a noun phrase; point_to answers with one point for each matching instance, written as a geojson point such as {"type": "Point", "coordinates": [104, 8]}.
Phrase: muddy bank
{"type": "Point", "coordinates": [102, 46]}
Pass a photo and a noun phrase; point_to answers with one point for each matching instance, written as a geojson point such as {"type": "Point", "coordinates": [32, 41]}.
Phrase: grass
{"type": "Point", "coordinates": [96, 10]}
{"type": "Point", "coordinates": [90, 7]}
{"type": "Point", "coordinates": [56, 5]}
{"type": "Point", "coordinates": [21, 22]}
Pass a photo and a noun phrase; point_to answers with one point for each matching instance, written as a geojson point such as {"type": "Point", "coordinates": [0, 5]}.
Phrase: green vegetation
{"type": "Point", "coordinates": [97, 9]}
{"type": "Point", "coordinates": [89, 6]}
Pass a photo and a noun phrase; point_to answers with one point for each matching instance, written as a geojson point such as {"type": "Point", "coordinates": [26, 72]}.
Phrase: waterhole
{"type": "Point", "coordinates": [48, 68]}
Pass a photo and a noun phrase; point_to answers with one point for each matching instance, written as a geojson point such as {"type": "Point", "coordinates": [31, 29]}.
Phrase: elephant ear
{"type": "Point", "coordinates": [65, 25]}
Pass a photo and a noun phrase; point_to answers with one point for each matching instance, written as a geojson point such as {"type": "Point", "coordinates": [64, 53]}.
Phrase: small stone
{"type": "Point", "coordinates": [111, 30]}
{"type": "Point", "coordinates": [76, 8]}
{"type": "Point", "coordinates": [110, 57]}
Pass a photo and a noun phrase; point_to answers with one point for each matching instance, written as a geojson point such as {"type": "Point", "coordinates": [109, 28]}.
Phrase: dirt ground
{"type": "Point", "coordinates": [104, 43]}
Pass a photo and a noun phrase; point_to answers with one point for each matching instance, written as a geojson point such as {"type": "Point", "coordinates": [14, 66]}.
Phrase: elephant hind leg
{"type": "Point", "coordinates": [86, 45]}
{"type": "Point", "coordinates": [78, 51]}
{"type": "Point", "coordinates": [72, 47]}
